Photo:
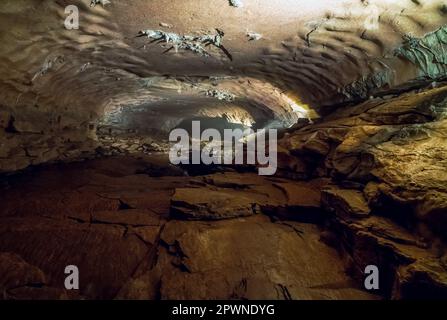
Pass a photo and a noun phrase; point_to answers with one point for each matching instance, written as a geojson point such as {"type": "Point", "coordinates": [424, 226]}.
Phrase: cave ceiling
{"type": "Point", "coordinates": [189, 58]}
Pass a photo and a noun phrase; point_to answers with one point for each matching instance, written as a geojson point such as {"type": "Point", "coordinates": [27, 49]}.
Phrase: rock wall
{"type": "Point", "coordinates": [32, 134]}
{"type": "Point", "coordinates": [425, 56]}
{"type": "Point", "coordinates": [56, 83]}
{"type": "Point", "coordinates": [428, 53]}
{"type": "Point", "coordinates": [388, 192]}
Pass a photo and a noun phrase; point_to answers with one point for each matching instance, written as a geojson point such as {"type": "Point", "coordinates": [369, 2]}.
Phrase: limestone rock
{"type": "Point", "coordinates": [345, 202]}
{"type": "Point", "coordinates": [230, 195]}
{"type": "Point", "coordinates": [104, 256]}
{"type": "Point", "coordinates": [207, 204]}
{"type": "Point", "coordinates": [15, 272]}
{"type": "Point", "coordinates": [128, 217]}
{"type": "Point", "coordinates": [393, 147]}
{"type": "Point", "coordinates": [144, 287]}
{"type": "Point", "coordinates": [381, 242]}
{"type": "Point", "coordinates": [290, 166]}
{"type": "Point", "coordinates": [251, 258]}
{"type": "Point", "coordinates": [303, 201]}
{"type": "Point", "coordinates": [423, 279]}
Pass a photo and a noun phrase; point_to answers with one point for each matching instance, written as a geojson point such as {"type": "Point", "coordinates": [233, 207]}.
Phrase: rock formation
{"type": "Point", "coordinates": [356, 90]}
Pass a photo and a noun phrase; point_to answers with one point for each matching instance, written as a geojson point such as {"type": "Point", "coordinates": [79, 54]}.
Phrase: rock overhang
{"type": "Point", "coordinates": [61, 82]}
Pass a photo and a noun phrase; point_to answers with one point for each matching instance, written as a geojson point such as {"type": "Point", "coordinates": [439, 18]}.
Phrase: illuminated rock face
{"type": "Point", "coordinates": [370, 165]}
{"type": "Point", "coordinates": [57, 84]}
{"type": "Point", "coordinates": [386, 160]}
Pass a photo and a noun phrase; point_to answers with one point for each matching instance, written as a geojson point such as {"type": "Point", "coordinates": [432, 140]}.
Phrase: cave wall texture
{"type": "Point", "coordinates": [369, 74]}
{"type": "Point", "coordinates": [58, 85]}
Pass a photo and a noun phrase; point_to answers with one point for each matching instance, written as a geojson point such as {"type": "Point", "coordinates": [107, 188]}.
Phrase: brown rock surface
{"type": "Point", "coordinates": [129, 250]}
{"type": "Point", "coordinates": [402, 158]}
{"type": "Point", "coordinates": [248, 258]}
{"type": "Point", "coordinates": [15, 272]}
{"type": "Point", "coordinates": [320, 71]}
{"type": "Point", "coordinates": [206, 204]}
{"type": "Point", "coordinates": [105, 255]}
{"type": "Point", "coordinates": [229, 195]}
{"type": "Point", "coordinates": [387, 164]}
{"type": "Point", "coordinates": [114, 219]}
{"type": "Point", "coordinates": [345, 202]}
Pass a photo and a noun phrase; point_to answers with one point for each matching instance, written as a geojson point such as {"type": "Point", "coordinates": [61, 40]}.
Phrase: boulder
{"type": "Point", "coordinates": [345, 202]}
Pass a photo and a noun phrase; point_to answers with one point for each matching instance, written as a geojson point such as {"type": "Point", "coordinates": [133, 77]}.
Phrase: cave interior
{"type": "Point", "coordinates": [90, 91]}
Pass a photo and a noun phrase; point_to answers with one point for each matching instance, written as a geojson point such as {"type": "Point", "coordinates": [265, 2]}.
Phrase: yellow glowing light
{"type": "Point", "coordinates": [299, 109]}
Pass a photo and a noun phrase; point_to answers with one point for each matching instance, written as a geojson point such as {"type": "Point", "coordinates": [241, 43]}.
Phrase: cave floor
{"type": "Point", "coordinates": [136, 228]}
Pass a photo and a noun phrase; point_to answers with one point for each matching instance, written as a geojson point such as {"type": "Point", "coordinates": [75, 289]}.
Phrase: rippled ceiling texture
{"type": "Point", "coordinates": [263, 63]}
